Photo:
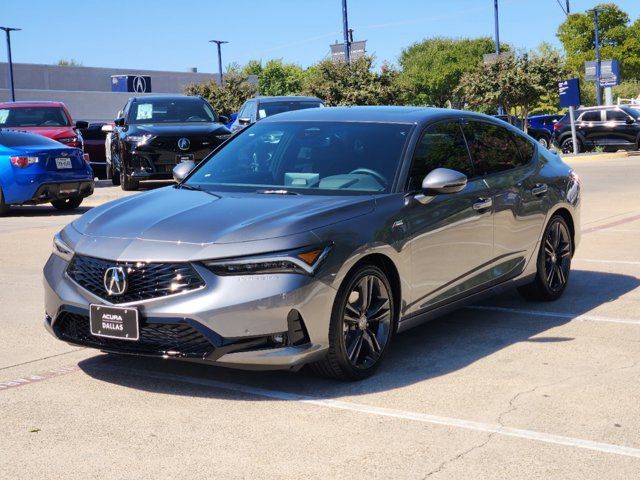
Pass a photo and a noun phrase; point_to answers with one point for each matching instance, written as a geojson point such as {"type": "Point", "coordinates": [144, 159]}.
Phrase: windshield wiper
{"type": "Point", "coordinates": [277, 192]}
{"type": "Point", "coordinates": [195, 188]}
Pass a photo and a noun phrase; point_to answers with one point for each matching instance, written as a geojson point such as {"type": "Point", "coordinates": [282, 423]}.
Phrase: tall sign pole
{"type": "Point", "coordinates": [219, 43]}
{"type": "Point", "coordinates": [8, 31]}
{"type": "Point", "coordinates": [598, 63]}
{"type": "Point", "coordinates": [569, 92]}
{"type": "Point", "coordinates": [497, 39]}
{"type": "Point", "coordinates": [345, 29]}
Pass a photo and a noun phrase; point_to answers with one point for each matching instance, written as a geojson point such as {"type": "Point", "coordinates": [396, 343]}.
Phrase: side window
{"type": "Point", "coordinates": [243, 111]}
{"type": "Point", "coordinates": [525, 147]}
{"type": "Point", "coordinates": [251, 111]}
{"type": "Point", "coordinates": [617, 116]}
{"type": "Point", "coordinates": [493, 148]}
{"type": "Point", "coordinates": [593, 116]}
{"type": "Point", "coordinates": [441, 145]}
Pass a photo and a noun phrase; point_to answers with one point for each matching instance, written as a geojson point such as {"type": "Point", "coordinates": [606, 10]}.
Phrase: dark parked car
{"type": "Point", "coordinates": [612, 127]}
{"type": "Point", "coordinates": [540, 134]}
{"type": "Point", "coordinates": [156, 133]}
{"type": "Point", "coordinates": [262, 107]}
{"type": "Point", "coordinates": [94, 139]}
{"type": "Point", "coordinates": [544, 121]}
{"type": "Point", "coordinates": [313, 237]}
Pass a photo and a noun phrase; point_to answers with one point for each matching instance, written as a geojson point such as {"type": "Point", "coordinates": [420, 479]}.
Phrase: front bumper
{"type": "Point", "coordinates": [250, 322]}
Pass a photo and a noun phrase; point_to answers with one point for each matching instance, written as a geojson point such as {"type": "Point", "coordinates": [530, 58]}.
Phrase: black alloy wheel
{"type": "Point", "coordinates": [554, 263]}
{"type": "Point", "coordinates": [567, 145]}
{"type": "Point", "coordinates": [362, 325]}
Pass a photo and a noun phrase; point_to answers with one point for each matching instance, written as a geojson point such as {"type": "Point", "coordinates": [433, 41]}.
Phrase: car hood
{"type": "Point", "coordinates": [50, 132]}
{"type": "Point", "coordinates": [177, 129]}
{"type": "Point", "coordinates": [183, 216]}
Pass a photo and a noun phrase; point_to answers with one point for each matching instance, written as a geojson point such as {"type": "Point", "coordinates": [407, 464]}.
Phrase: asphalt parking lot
{"type": "Point", "coordinates": [503, 390]}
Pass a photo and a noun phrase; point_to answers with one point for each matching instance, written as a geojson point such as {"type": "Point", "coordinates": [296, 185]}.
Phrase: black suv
{"type": "Point", "coordinates": [155, 133]}
{"type": "Point", "coordinates": [260, 107]}
{"type": "Point", "coordinates": [541, 134]}
{"type": "Point", "coordinates": [612, 127]}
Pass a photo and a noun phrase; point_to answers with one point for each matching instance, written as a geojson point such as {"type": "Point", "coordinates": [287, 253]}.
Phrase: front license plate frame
{"type": "Point", "coordinates": [120, 323]}
{"type": "Point", "coordinates": [187, 157]}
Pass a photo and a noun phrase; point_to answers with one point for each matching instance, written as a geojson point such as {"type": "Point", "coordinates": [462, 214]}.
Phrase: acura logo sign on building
{"type": "Point", "coordinates": [131, 83]}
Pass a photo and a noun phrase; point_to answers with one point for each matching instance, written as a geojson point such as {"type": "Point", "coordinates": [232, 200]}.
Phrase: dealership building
{"type": "Point", "coordinates": [93, 94]}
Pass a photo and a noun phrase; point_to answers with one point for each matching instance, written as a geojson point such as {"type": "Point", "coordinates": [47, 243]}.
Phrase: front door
{"type": "Point", "coordinates": [450, 235]}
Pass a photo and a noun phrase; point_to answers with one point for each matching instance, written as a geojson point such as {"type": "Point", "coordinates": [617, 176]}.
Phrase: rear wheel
{"type": "Point", "coordinates": [544, 141]}
{"type": "Point", "coordinates": [115, 176]}
{"type": "Point", "coordinates": [553, 264]}
{"type": "Point", "coordinates": [4, 208]}
{"type": "Point", "coordinates": [127, 183]}
{"type": "Point", "coordinates": [67, 203]}
{"type": "Point", "coordinates": [567, 145]}
{"type": "Point", "coordinates": [361, 327]}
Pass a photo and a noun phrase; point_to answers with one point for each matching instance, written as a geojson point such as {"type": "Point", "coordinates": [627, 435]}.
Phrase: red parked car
{"type": "Point", "coordinates": [50, 119]}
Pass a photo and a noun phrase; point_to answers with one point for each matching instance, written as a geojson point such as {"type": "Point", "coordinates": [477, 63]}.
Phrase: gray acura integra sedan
{"type": "Point", "coordinates": [313, 237]}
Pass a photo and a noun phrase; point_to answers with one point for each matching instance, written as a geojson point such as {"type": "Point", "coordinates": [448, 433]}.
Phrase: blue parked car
{"type": "Point", "coordinates": [35, 169]}
{"type": "Point", "coordinates": [232, 118]}
{"type": "Point", "coordinates": [544, 121]}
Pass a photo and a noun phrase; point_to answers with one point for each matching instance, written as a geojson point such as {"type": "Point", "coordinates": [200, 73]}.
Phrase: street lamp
{"type": "Point", "coordinates": [8, 31]}
{"type": "Point", "coordinates": [596, 11]}
{"type": "Point", "coordinates": [497, 39]}
{"type": "Point", "coordinates": [345, 29]}
{"type": "Point", "coordinates": [219, 43]}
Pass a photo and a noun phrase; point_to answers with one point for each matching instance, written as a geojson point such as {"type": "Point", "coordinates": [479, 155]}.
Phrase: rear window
{"type": "Point", "coordinates": [33, 117]}
{"type": "Point", "coordinates": [12, 139]}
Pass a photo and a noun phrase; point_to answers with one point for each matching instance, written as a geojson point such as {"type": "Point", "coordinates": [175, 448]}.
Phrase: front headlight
{"type": "Point", "coordinates": [138, 139]}
{"type": "Point", "coordinates": [61, 249]}
{"type": "Point", "coordinates": [303, 261]}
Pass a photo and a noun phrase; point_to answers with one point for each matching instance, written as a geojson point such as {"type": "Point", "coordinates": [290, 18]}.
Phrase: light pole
{"type": "Point", "coordinates": [218, 43]}
{"type": "Point", "coordinates": [345, 29]}
{"type": "Point", "coordinates": [497, 39]}
{"type": "Point", "coordinates": [8, 31]}
{"type": "Point", "coordinates": [596, 11]}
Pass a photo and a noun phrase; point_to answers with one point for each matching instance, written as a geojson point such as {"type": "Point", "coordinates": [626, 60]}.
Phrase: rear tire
{"type": "Point", "coordinates": [361, 326]}
{"type": "Point", "coordinates": [4, 208]}
{"type": "Point", "coordinates": [70, 203]}
{"type": "Point", "coordinates": [553, 263]}
{"type": "Point", "coordinates": [115, 176]}
{"type": "Point", "coordinates": [127, 183]}
{"type": "Point", "coordinates": [544, 141]}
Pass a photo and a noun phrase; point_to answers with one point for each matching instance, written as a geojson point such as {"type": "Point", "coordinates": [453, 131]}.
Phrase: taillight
{"type": "Point", "coordinates": [556, 126]}
{"type": "Point", "coordinates": [85, 157]}
{"type": "Point", "coordinates": [23, 162]}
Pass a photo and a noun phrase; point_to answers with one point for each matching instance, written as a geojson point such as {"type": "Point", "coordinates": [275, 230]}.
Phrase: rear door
{"type": "Point", "coordinates": [507, 162]}
{"type": "Point", "coordinates": [621, 127]}
{"type": "Point", "coordinates": [450, 235]}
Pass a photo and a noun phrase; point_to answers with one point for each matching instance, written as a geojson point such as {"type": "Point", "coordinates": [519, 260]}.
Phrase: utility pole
{"type": "Point", "coordinates": [8, 31]}
{"type": "Point", "coordinates": [568, 8]}
{"type": "Point", "coordinates": [345, 31]}
{"type": "Point", "coordinates": [497, 38]}
{"type": "Point", "coordinates": [598, 64]}
{"type": "Point", "coordinates": [219, 43]}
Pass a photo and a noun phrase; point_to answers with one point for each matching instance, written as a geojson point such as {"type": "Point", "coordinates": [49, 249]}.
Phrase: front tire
{"type": "Point", "coordinates": [127, 183]}
{"type": "Point", "coordinates": [361, 327]}
{"type": "Point", "coordinates": [567, 145]}
{"type": "Point", "coordinates": [70, 203]}
{"type": "Point", "coordinates": [4, 208]}
{"type": "Point", "coordinates": [544, 141]}
{"type": "Point", "coordinates": [553, 263]}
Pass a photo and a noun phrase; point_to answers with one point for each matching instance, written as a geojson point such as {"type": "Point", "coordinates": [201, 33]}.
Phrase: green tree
{"type": "Point", "coordinates": [432, 69]}
{"type": "Point", "coordinates": [517, 81]}
{"type": "Point", "coordinates": [339, 83]}
{"type": "Point", "coordinates": [63, 62]}
{"type": "Point", "coordinates": [226, 99]}
{"type": "Point", "coordinates": [276, 77]}
{"type": "Point", "coordinates": [618, 39]}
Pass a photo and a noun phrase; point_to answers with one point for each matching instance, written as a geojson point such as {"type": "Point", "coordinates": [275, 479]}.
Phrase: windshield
{"type": "Point", "coordinates": [267, 109]}
{"type": "Point", "coordinates": [634, 112]}
{"type": "Point", "coordinates": [307, 157]}
{"type": "Point", "coordinates": [171, 110]}
{"type": "Point", "coordinates": [33, 117]}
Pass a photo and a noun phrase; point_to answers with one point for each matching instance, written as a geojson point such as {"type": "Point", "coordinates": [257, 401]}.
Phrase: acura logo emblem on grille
{"type": "Point", "coordinates": [184, 144]}
{"type": "Point", "coordinates": [115, 281]}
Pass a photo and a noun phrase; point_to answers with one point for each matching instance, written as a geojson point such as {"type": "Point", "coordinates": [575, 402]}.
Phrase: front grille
{"type": "Point", "coordinates": [145, 280]}
{"type": "Point", "coordinates": [174, 339]}
{"type": "Point", "coordinates": [196, 143]}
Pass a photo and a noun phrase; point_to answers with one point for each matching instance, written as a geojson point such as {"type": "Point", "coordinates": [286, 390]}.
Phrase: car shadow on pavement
{"type": "Point", "coordinates": [44, 211]}
{"type": "Point", "coordinates": [437, 348]}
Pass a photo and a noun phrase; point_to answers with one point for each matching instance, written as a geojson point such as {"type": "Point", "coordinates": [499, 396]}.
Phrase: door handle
{"type": "Point", "coordinates": [539, 189]}
{"type": "Point", "coordinates": [482, 204]}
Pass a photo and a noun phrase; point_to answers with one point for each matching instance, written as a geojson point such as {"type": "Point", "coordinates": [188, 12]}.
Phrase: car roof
{"type": "Point", "coordinates": [31, 103]}
{"type": "Point", "coordinates": [385, 114]}
{"type": "Point", "coordinates": [286, 98]}
{"type": "Point", "coordinates": [166, 97]}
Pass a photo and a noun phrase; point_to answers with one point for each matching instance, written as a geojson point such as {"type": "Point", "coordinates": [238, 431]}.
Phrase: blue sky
{"type": "Point", "coordinates": [173, 35]}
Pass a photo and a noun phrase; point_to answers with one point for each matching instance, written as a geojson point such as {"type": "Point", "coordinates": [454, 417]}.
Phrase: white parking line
{"type": "Point", "coordinates": [395, 413]}
{"type": "Point", "coordinates": [613, 262]}
{"type": "Point", "coordinates": [569, 316]}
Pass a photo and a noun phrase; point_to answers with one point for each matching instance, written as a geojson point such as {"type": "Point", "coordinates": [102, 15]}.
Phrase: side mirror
{"type": "Point", "coordinates": [183, 169]}
{"type": "Point", "coordinates": [630, 121]}
{"type": "Point", "coordinates": [81, 125]}
{"type": "Point", "coordinates": [223, 119]}
{"type": "Point", "coordinates": [443, 180]}
{"type": "Point", "coordinates": [244, 120]}
{"type": "Point", "coordinates": [107, 128]}
{"type": "Point", "coordinates": [119, 122]}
